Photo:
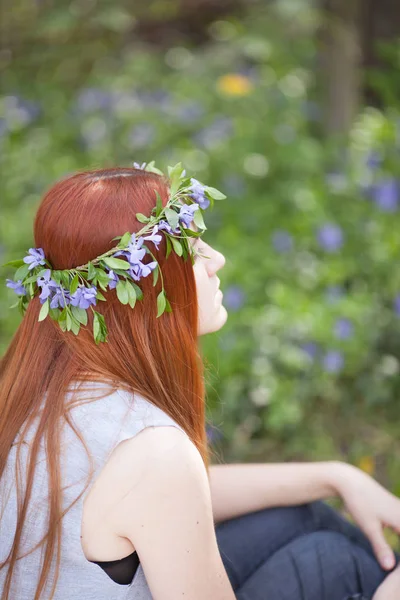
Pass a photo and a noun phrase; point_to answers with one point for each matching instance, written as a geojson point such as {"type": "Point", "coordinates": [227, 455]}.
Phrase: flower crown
{"type": "Point", "coordinates": [67, 294]}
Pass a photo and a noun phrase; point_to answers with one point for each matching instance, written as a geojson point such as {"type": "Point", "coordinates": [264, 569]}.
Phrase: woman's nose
{"type": "Point", "coordinates": [216, 263]}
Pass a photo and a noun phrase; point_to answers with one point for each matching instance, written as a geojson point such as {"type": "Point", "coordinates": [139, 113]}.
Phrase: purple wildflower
{"type": "Point", "coordinates": [282, 241]}
{"type": "Point", "coordinates": [234, 297]}
{"type": "Point", "coordinates": [154, 237]}
{"type": "Point", "coordinates": [137, 166]}
{"type": "Point", "coordinates": [386, 195]}
{"type": "Point", "coordinates": [186, 213]}
{"type": "Point", "coordinates": [330, 237]}
{"type": "Point", "coordinates": [343, 328]}
{"type": "Point", "coordinates": [198, 193]}
{"type": "Point", "coordinates": [60, 298]}
{"type": "Point", "coordinates": [84, 297]}
{"type": "Point", "coordinates": [167, 227]}
{"type": "Point", "coordinates": [47, 284]}
{"type": "Point", "coordinates": [114, 279]}
{"type": "Point", "coordinates": [310, 348]}
{"type": "Point", "coordinates": [16, 286]}
{"type": "Point", "coordinates": [141, 270]}
{"type": "Point", "coordinates": [34, 258]}
{"type": "Point", "coordinates": [333, 361]}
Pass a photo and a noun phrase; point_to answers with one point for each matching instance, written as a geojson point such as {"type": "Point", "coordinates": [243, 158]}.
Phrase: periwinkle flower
{"type": "Point", "coordinates": [186, 213]}
{"type": "Point", "coordinates": [34, 258]}
{"type": "Point", "coordinates": [333, 361]}
{"type": "Point", "coordinates": [167, 227]}
{"type": "Point", "coordinates": [343, 328]}
{"type": "Point", "coordinates": [138, 166]}
{"type": "Point", "coordinates": [234, 297]}
{"type": "Point", "coordinates": [330, 237]}
{"type": "Point", "coordinates": [60, 298]}
{"type": "Point", "coordinates": [198, 193]}
{"type": "Point", "coordinates": [141, 270]}
{"type": "Point", "coordinates": [154, 237]}
{"type": "Point", "coordinates": [114, 279]}
{"type": "Point", "coordinates": [386, 195]}
{"type": "Point", "coordinates": [47, 284]}
{"type": "Point", "coordinates": [310, 348]}
{"type": "Point", "coordinates": [84, 297]}
{"type": "Point", "coordinates": [282, 240]}
{"type": "Point", "coordinates": [396, 305]}
{"type": "Point", "coordinates": [16, 286]}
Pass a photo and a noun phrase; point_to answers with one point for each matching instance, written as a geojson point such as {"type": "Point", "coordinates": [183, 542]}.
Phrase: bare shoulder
{"type": "Point", "coordinates": [166, 513]}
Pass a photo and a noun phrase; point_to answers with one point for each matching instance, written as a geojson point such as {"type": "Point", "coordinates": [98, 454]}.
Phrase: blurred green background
{"type": "Point", "coordinates": [291, 108]}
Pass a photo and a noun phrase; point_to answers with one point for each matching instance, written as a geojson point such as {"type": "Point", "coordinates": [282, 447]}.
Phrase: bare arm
{"type": "Point", "coordinates": [237, 489]}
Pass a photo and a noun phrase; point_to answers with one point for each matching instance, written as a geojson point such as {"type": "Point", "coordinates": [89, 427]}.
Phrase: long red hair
{"type": "Point", "coordinates": [158, 358]}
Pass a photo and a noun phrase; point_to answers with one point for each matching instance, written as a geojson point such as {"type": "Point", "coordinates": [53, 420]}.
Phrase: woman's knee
{"type": "Point", "coordinates": [323, 565]}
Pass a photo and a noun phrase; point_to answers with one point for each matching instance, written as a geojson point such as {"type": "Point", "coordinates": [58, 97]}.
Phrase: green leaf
{"type": "Point", "coordinates": [44, 311]}
{"type": "Point", "coordinates": [75, 327]}
{"type": "Point", "coordinates": [56, 275]}
{"type": "Point", "coordinates": [116, 263]}
{"type": "Point", "coordinates": [214, 193]}
{"type": "Point", "coordinates": [177, 246]}
{"type": "Point", "coordinates": [74, 284]}
{"type": "Point", "coordinates": [69, 321]}
{"type": "Point", "coordinates": [131, 294]}
{"type": "Point", "coordinates": [80, 314]}
{"type": "Point", "coordinates": [167, 306]}
{"type": "Point", "coordinates": [155, 275]}
{"type": "Point", "coordinates": [96, 327]}
{"type": "Point", "coordinates": [142, 218]}
{"type": "Point", "coordinates": [125, 240]}
{"type": "Point", "coordinates": [159, 206]}
{"type": "Point", "coordinates": [122, 292]}
{"type": "Point", "coordinates": [14, 263]}
{"type": "Point", "coordinates": [198, 219]}
{"type": "Point", "coordinates": [169, 246]}
{"type": "Point", "coordinates": [99, 296]}
{"type": "Point", "coordinates": [65, 279]}
{"type": "Point", "coordinates": [172, 217]}
{"type": "Point", "coordinates": [91, 271]}
{"type": "Point", "coordinates": [161, 303]}
{"type": "Point", "coordinates": [152, 169]}
{"type": "Point", "coordinates": [63, 325]}
{"type": "Point", "coordinates": [139, 293]}
{"type": "Point", "coordinates": [21, 273]}
{"type": "Point", "coordinates": [54, 313]}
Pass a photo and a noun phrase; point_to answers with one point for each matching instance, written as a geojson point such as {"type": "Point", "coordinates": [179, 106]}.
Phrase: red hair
{"type": "Point", "coordinates": [157, 358]}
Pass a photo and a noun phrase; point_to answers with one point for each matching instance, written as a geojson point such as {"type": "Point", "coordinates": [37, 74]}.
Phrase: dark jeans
{"type": "Point", "coordinates": [307, 552]}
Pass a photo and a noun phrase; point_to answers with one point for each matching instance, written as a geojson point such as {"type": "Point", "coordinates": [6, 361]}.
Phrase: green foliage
{"type": "Point", "coordinates": [307, 365]}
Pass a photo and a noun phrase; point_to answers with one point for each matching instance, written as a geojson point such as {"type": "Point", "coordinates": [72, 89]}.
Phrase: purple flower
{"type": "Point", "coordinates": [165, 225]}
{"type": "Point", "coordinates": [386, 195]}
{"type": "Point", "coordinates": [114, 279]}
{"type": "Point", "coordinates": [218, 131]}
{"type": "Point", "coordinates": [137, 166]}
{"type": "Point", "coordinates": [47, 284]}
{"type": "Point", "coordinates": [310, 348]}
{"type": "Point", "coordinates": [34, 258]}
{"type": "Point", "coordinates": [333, 361]}
{"type": "Point", "coordinates": [141, 270]}
{"type": "Point", "coordinates": [84, 297]}
{"type": "Point", "coordinates": [343, 328]}
{"type": "Point", "coordinates": [198, 193]}
{"type": "Point", "coordinates": [154, 237]}
{"type": "Point", "coordinates": [282, 241]}
{"type": "Point", "coordinates": [396, 305]}
{"type": "Point", "coordinates": [330, 237]}
{"type": "Point", "coordinates": [91, 99]}
{"type": "Point", "coordinates": [234, 297]}
{"type": "Point", "coordinates": [60, 298]}
{"type": "Point", "coordinates": [188, 112]}
{"type": "Point", "coordinates": [186, 213]}
{"type": "Point", "coordinates": [374, 159]}
{"type": "Point", "coordinates": [16, 286]}
{"type": "Point", "coordinates": [134, 252]}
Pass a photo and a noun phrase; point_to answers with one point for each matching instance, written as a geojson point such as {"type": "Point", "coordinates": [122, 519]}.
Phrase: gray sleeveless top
{"type": "Point", "coordinates": [103, 423]}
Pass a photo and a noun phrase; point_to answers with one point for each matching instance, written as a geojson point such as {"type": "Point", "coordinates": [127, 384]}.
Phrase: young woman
{"type": "Point", "coordinates": [106, 486]}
